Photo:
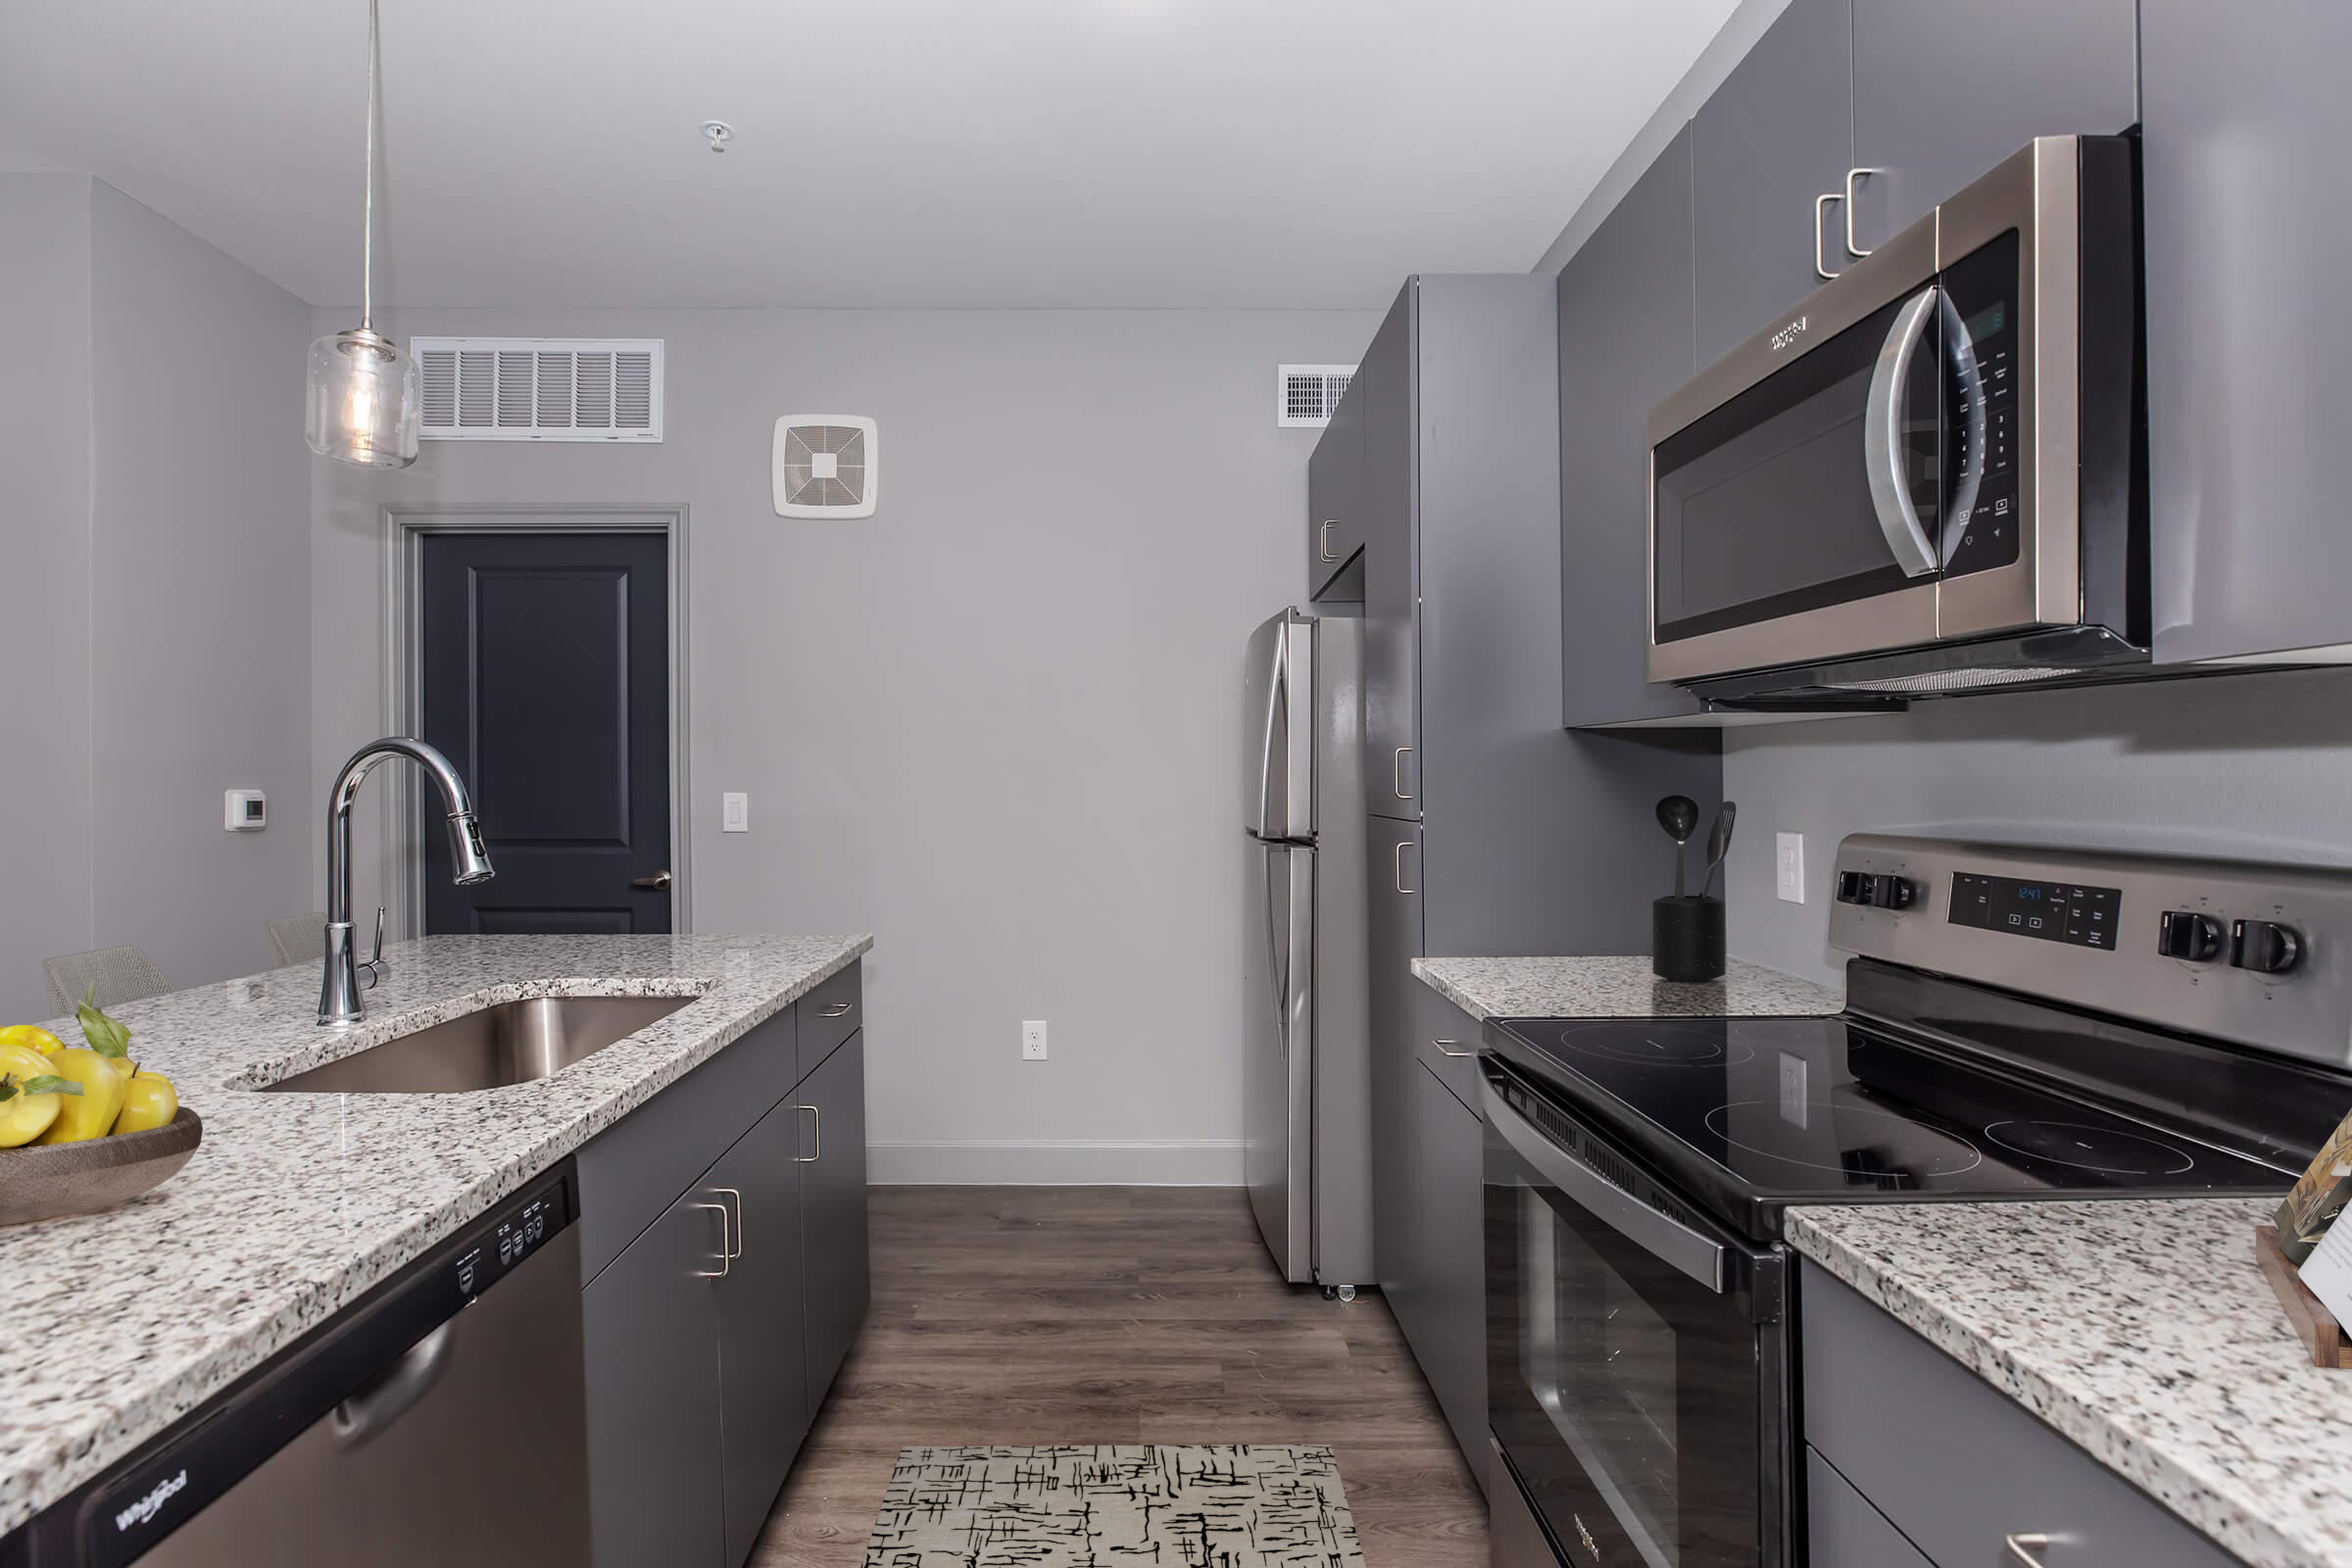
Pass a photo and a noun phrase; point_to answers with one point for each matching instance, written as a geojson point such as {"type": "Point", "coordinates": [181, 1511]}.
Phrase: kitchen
{"type": "Point", "coordinates": [1227, 1181]}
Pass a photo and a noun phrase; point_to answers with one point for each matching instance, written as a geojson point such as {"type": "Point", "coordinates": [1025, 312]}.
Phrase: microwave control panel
{"type": "Point", "coordinates": [1980, 392]}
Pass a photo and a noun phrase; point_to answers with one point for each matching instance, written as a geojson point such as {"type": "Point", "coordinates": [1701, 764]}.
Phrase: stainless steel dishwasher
{"type": "Point", "coordinates": [443, 1419]}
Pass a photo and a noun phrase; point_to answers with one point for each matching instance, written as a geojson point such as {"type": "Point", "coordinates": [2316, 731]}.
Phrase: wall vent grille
{"type": "Point", "coordinates": [1304, 395]}
{"type": "Point", "coordinates": [540, 388]}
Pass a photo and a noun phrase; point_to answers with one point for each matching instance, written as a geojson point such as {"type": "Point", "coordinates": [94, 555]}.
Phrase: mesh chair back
{"type": "Point", "coordinates": [297, 939]}
{"type": "Point", "coordinates": [121, 974]}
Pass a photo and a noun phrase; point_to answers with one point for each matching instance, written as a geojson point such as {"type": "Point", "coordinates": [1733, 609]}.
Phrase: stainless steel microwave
{"type": "Point", "coordinates": [1926, 478]}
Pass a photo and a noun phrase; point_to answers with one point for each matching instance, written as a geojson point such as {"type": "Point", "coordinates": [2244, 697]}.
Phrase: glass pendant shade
{"type": "Point", "coordinates": [362, 401]}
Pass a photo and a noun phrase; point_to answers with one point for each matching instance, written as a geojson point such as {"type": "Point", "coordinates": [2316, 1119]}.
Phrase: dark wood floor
{"type": "Point", "coordinates": [1117, 1314]}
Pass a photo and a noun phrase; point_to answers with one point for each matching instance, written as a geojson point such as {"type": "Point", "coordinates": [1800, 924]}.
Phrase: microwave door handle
{"type": "Point", "coordinates": [1660, 1235]}
{"type": "Point", "coordinates": [1882, 438]}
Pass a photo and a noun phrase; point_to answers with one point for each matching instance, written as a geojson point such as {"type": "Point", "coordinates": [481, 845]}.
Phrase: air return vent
{"type": "Point", "coordinates": [1305, 394]}
{"type": "Point", "coordinates": [540, 388]}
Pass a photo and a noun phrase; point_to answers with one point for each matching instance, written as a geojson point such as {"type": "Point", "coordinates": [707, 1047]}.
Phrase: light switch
{"type": "Point", "coordinates": [1789, 849]}
{"type": "Point", "coordinates": [734, 812]}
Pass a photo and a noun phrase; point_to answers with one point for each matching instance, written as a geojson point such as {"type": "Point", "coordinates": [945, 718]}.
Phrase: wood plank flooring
{"type": "Point", "coordinates": [1117, 1314]}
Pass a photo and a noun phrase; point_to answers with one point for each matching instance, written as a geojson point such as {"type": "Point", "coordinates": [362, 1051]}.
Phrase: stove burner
{"type": "Point", "coordinates": [1838, 1139]}
{"type": "Point", "coordinates": [1654, 1043]}
{"type": "Point", "coordinates": [2098, 1148]}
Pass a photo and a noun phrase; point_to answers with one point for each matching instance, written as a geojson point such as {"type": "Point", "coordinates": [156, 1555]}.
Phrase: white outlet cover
{"type": "Point", "coordinates": [1788, 857]}
{"type": "Point", "coordinates": [734, 812]}
{"type": "Point", "coordinates": [1033, 1039]}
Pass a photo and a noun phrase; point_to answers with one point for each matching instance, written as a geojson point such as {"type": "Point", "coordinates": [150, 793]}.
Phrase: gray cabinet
{"type": "Point", "coordinates": [2243, 110]}
{"type": "Point", "coordinates": [1448, 1283]}
{"type": "Point", "coordinates": [1957, 1484]}
{"type": "Point", "coordinates": [1943, 92]}
{"type": "Point", "coordinates": [1843, 1531]}
{"type": "Point", "coordinates": [764, 1397]}
{"type": "Point", "coordinates": [1774, 139]}
{"type": "Point", "coordinates": [1335, 523]}
{"type": "Point", "coordinates": [651, 1331]}
{"type": "Point", "coordinates": [1394, 940]}
{"type": "Point", "coordinates": [1625, 342]}
{"type": "Point", "coordinates": [833, 1233]}
{"type": "Point", "coordinates": [1388, 504]}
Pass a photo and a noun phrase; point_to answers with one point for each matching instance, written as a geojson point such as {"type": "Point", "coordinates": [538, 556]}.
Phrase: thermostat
{"type": "Point", "coordinates": [244, 810]}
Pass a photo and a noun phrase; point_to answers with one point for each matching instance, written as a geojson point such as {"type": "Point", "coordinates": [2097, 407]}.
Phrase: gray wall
{"type": "Point", "coordinates": [2251, 765]}
{"type": "Point", "coordinates": [156, 507]}
{"type": "Point", "coordinates": [995, 724]}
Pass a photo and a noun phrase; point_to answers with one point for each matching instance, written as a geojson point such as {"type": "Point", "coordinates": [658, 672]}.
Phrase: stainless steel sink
{"type": "Point", "coordinates": [510, 1043]}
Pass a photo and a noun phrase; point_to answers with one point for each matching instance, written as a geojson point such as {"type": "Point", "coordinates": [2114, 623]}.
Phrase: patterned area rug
{"type": "Point", "coordinates": [1255, 1506]}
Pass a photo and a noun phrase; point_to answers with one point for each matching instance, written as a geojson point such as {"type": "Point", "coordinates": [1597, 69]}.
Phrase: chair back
{"type": "Point", "coordinates": [121, 974]}
{"type": "Point", "coordinates": [297, 939]}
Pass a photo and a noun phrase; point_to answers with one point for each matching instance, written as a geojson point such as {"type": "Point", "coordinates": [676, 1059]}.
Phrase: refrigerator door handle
{"type": "Point", "coordinates": [1278, 968]}
{"type": "Point", "coordinates": [1277, 697]}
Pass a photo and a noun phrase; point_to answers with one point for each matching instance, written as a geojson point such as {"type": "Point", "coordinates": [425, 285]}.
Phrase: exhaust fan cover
{"type": "Point", "coordinates": [824, 465]}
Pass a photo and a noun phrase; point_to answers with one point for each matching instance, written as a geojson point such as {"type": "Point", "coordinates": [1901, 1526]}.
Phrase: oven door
{"type": "Point", "coordinates": [1638, 1358]}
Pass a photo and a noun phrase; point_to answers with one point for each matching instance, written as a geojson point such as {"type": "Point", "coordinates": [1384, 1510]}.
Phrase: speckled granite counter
{"type": "Point", "coordinates": [2143, 1331]}
{"type": "Point", "coordinates": [120, 1323]}
{"type": "Point", "coordinates": [1617, 987]}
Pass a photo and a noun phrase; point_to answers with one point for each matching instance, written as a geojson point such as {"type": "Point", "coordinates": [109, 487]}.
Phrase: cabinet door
{"type": "Point", "coordinates": [1335, 527]}
{"type": "Point", "coordinates": [833, 1210]}
{"type": "Point", "coordinates": [1391, 564]}
{"type": "Point", "coordinates": [1625, 343]}
{"type": "Point", "coordinates": [1451, 1343]}
{"type": "Point", "coordinates": [651, 1327]}
{"type": "Point", "coordinates": [1445, 1042]}
{"type": "Point", "coordinates": [1943, 92]}
{"type": "Point", "coordinates": [1393, 942]}
{"type": "Point", "coordinates": [2246, 349]}
{"type": "Point", "coordinates": [763, 1397]}
{"type": "Point", "coordinates": [1774, 136]}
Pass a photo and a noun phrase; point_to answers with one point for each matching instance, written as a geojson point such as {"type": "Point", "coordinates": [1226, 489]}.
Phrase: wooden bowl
{"type": "Point", "coordinates": [42, 1181]}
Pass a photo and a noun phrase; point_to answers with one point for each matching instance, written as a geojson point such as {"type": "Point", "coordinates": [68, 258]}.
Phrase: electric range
{"type": "Point", "coordinates": [2020, 1023]}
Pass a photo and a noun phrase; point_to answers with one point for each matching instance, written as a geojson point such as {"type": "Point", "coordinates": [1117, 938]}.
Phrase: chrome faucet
{"type": "Point", "coordinates": [339, 988]}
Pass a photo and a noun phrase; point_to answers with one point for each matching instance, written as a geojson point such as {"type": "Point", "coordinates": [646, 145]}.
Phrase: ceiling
{"type": "Point", "coordinates": [1158, 153]}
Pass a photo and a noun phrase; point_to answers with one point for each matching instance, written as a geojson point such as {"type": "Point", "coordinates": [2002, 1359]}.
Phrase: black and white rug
{"type": "Point", "coordinates": [1251, 1506]}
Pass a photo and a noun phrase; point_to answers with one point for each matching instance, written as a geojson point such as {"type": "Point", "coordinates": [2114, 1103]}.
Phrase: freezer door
{"type": "Point", "coordinates": [1279, 1050]}
{"type": "Point", "coordinates": [1278, 742]}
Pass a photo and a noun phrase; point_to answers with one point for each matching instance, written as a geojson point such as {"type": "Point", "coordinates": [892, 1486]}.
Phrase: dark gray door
{"type": "Point", "coordinates": [545, 665]}
{"type": "Point", "coordinates": [1775, 135]}
{"type": "Point", "coordinates": [833, 1210]}
{"type": "Point", "coordinates": [1449, 1340]}
{"type": "Point", "coordinates": [1943, 92]}
{"type": "Point", "coordinates": [1393, 868]}
{"type": "Point", "coordinates": [1334, 482]}
{"type": "Point", "coordinates": [763, 1395]}
{"type": "Point", "coordinates": [651, 1327]}
{"type": "Point", "coordinates": [1389, 502]}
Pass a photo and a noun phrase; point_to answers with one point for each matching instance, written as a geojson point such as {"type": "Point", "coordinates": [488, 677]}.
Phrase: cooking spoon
{"type": "Point", "coordinates": [1678, 814]}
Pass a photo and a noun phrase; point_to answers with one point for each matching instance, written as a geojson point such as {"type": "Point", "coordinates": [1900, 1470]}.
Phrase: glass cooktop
{"type": "Point", "coordinates": [1796, 1109]}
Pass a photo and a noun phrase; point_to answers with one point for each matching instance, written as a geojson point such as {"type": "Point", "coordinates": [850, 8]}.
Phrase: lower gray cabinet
{"type": "Point", "coordinates": [833, 1210]}
{"type": "Point", "coordinates": [764, 1397]}
{"type": "Point", "coordinates": [651, 1321]}
{"type": "Point", "coordinates": [1449, 1339]}
{"type": "Point", "coordinates": [1393, 942]}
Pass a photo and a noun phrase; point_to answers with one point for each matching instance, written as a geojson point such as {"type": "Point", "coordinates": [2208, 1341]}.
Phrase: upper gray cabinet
{"type": "Point", "coordinates": [2245, 221]}
{"type": "Point", "coordinates": [1335, 494]}
{"type": "Point", "coordinates": [1943, 92]}
{"type": "Point", "coordinates": [1390, 480]}
{"type": "Point", "coordinates": [1769, 153]}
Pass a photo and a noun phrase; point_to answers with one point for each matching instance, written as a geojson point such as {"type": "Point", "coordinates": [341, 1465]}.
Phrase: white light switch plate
{"type": "Point", "coordinates": [1789, 849]}
{"type": "Point", "coordinates": [1033, 1039]}
{"type": "Point", "coordinates": [734, 813]}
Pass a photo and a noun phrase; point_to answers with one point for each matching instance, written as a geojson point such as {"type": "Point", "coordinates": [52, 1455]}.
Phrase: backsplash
{"type": "Point", "coordinates": [2258, 766]}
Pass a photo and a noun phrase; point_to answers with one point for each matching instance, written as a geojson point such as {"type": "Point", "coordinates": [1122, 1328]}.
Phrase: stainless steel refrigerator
{"type": "Point", "coordinates": [1307, 1036]}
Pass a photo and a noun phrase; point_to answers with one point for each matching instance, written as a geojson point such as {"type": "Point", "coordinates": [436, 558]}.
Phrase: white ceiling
{"type": "Point", "coordinates": [1236, 152]}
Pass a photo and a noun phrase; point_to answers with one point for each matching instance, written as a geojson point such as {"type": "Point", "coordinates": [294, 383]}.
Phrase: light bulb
{"type": "Point", "coordinates": [362, 404]}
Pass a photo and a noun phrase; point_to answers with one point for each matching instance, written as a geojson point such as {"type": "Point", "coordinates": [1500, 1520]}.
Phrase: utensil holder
{"type": "Point", "coordinates": [1686, 938]}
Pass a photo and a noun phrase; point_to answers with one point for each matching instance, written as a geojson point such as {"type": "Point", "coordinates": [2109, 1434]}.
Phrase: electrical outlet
{"type": "Point", "coordinates": [1793, 1099]}
{"type": "Point", "coordinates": [1033, 1039]}
{"type": "Point", "coordinates": [734, 812]}
{"type": "Point", "coordinates": [1789, 875]}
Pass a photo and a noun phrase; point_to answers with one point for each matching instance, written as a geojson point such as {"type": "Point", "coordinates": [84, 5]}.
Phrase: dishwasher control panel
{"type": "Point", "coordinates": [514, 1237]}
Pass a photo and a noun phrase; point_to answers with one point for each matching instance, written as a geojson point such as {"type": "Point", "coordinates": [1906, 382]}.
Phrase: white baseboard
{"type": "Point", "coordinates": [1056, 1162]}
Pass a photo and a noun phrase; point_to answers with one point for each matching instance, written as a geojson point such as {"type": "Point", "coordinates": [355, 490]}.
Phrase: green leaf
{"type": "Point", "coordinates": [8, 1086]}
{"type": "Point", "coordinates": [106, 1037]}
{"type": "Point", "coordinates": [49, 1083]}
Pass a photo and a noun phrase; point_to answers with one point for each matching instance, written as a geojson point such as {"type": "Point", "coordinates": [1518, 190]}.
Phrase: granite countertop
{"type": "Point", "coordinates": [1617, 987]}
{"type": "Point", "coordinates": [2143, 1331]}
{"type": "Point", "coordinates": [118, 1323]}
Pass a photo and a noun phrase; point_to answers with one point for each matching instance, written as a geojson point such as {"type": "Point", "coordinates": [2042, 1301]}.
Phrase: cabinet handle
{"type": "Point", "coordinates": [737, 1251]}
{"type": "Point", "coordinates": [1323, 539]}
{"type": "Point", "coordinates": [1820, 262]}
{"type": "Point", "coordinates": [727, 1257]}
{"type": "Point", "coordinates": [835, 1011]}
{"type": "Point", "coordinates": [818, 1136]}
{"type": "Point", "coordinates": [1398, 857]}
{"type": "Point", "coordinates": [2025, 1550]}
{"type": "Point", "coordinates": [1854, 246]}
{"type": "Point", "coordinates": [1442, 1052]}
{"type": "Point", "coordinates": [1396, 771]}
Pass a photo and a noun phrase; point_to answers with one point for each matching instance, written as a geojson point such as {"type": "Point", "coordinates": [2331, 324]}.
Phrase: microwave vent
{"type": "Point", "coordinates": [1932, 682]}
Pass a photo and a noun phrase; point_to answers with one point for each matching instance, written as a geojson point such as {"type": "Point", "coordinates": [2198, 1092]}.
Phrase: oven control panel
{"type": "Point", "coordinates": [2237, 950]}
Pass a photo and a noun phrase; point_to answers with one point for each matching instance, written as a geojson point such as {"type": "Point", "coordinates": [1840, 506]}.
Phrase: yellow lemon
{"type": "Point", "coordinates": [34, 1034]}
{"type": "Point", "coordinates": [148, 1101]}
{"type": "Point", "coordinates": [94, 1113]}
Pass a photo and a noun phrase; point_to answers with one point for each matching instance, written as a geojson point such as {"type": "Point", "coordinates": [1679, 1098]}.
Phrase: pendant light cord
{"type": "Point", "coordinates": [368, 201]}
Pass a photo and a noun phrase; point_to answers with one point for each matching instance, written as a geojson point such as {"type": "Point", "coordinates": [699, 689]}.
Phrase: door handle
{"type": "Point", "coordinates": [2025, 1550]}
{"type": "Point", "coordinates": [1882, 438]}
{"type": "Point", "coordinates": [659, 879]}
{"type": "Point", "coordinates": [726, 1250]}
{"type": "Point", "coordinates": [735, 1251]}
{"type": "Point", "coordinates": [1820, 262]}
{"type": "Point", "coordinates": [1398, 859]}
{"type": "Point", "coordinates": [816, 1130]}
{"type": "Point", "coordinates": [1853, 245]}
{"type": "Point", "coordinates": [1396, 771]}
{"type": "Point", "coordinates": [1323, 539]}
{"type": "Point", "coordinates": [394, 1392]}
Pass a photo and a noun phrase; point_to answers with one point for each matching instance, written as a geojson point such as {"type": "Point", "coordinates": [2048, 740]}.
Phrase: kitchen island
{"type": "Point", "coordinates": [297, 1205]}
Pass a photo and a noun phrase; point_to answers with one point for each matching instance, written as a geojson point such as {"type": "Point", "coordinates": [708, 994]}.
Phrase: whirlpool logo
{"type": "Point", "coordinates": [147, 1507]}
{"type": "Point", "coordinates": [1790, 334]}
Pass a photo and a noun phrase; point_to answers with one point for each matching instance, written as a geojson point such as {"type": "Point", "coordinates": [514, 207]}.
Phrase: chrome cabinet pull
{"type": "Point", "coordinates": [1853, 245]}
{"type": "Point", "coordinates": [1323, 539]}
{"type": "Point", "coordinates": [816, 1132]}
{"type": "Point", "coordinates": [1396, 771]}
{"type": "Point", "coordinates": [737, 1249]}
{"type": "Point", "coordinates": [1398, 857]}
{"type": "Point", "coordinates": [835, 1011]}
{"type": "Point", "coordinates": [1820, 262]}
{"type": "Point", "coordinates": [1442, 1052]}
{"type": "Point", "coordinates": [727, 1252]}
{"type": "Point", "coordinates": [658, 880]}
{"type": "Point", "coordinates": [2027, 1549]}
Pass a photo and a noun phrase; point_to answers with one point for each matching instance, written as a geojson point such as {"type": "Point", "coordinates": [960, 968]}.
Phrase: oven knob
{"type": "Point", "coordinates": [2265, 947]}
{"type": "Point", "coordinates": [1893, 892]}
{"type": "Point", "coordinates": [2185, 934]}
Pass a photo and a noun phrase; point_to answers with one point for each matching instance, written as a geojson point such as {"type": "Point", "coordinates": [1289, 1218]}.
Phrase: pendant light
{"type": "Point", "coordinates": [362, 407]}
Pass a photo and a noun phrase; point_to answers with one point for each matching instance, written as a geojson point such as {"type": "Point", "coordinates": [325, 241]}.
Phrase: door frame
{"type": "Point", "coordinates": [403, 528]}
